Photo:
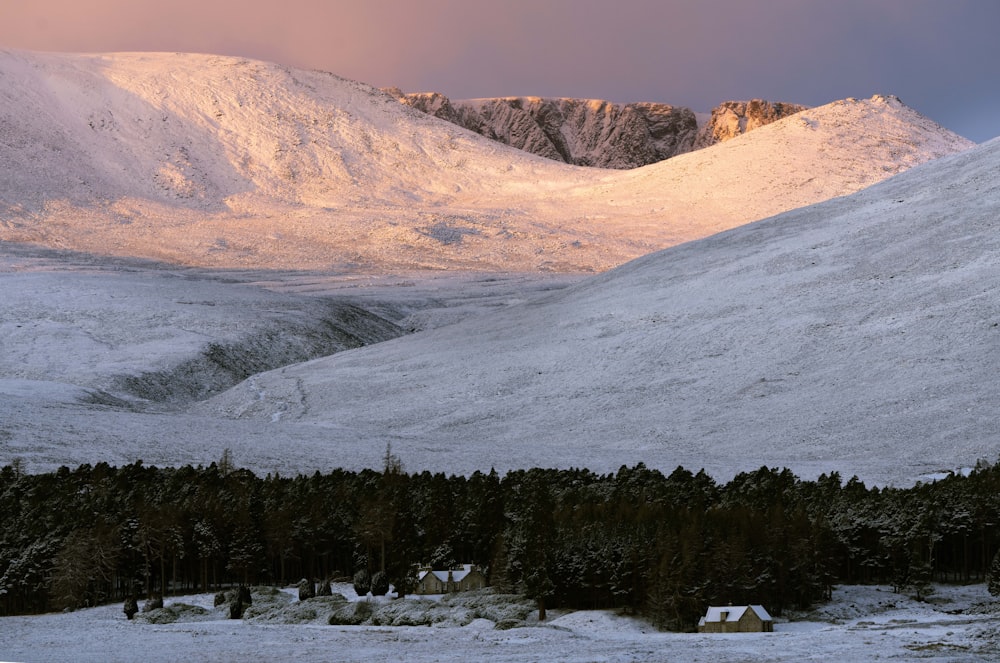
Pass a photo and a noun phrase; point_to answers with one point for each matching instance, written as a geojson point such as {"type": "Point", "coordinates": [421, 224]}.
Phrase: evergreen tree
{"type": "Point", "coordinates": [379, 584]}
{"type": "Point", "coordinates": [532, 539]}
{"type": "Point", "coordinates": [993, 584]}
{"type": "Point", "coordinates": [362, 582]}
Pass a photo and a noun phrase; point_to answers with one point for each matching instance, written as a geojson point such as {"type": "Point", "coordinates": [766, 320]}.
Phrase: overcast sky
{"type": "Point", "coordinates": [941, 57]}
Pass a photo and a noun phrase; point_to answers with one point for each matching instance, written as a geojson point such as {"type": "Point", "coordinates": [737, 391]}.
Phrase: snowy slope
{"type": "Point", "coordinates": [856, 335]}
{"type": "Point", "coordinates": [222, 162]}
{"type": "Point", "coordinates": [149, 335]}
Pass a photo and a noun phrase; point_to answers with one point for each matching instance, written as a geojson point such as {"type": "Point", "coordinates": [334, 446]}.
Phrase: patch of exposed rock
{"type": "Point", "coordinates": [734, 118]}
{"type": "Point", "coordinates": [592, 132]}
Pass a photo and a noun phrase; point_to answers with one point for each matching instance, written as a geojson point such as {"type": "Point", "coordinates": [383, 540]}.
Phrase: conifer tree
{"type": "Point", "coordinates": [993, 583]}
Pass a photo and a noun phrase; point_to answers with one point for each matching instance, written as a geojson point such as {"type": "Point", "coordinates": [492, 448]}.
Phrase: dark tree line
{"type": "Point", "coordinates": [660, 545]}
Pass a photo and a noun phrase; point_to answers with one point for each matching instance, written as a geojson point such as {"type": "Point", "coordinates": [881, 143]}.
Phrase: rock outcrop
{"type": "Point", "coordinates": [734, 118]}
{"type": "Point", "coordinates": [592, 132]}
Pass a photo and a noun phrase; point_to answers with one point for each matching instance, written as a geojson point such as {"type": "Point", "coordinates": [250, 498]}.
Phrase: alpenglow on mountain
{"type": "Point", "coordinates": [593, 132]}
{"type": "Point", "coordinates": [226, 162]}
{"type": "Point", "coordinates": [839, 336]}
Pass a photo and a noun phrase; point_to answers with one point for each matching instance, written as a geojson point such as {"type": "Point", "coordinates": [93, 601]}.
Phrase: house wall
{"type": "Point", "coordinates": [474, 580]}
{"type": "Point", "coordinates": [431, 584]}
{"type": "Point", "coordinates": [749, 623]}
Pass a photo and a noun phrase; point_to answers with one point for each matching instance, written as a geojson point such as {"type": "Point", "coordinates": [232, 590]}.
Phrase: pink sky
{"type": "Point", "coordinates": [939, 57]}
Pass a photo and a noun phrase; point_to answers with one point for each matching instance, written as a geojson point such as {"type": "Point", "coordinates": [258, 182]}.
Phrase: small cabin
{"type": "Point", "coordinates": [736, 619]}
{"type": "Point", "coordinates": [464, 579]}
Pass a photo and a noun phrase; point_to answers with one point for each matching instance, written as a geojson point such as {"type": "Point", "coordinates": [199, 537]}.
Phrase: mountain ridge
{"type": "Point", "coordinates": [595, 132]}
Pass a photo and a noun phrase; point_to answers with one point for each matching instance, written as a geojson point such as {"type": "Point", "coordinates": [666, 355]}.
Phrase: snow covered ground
{"type": "Point", "coordinates": [862, 623]}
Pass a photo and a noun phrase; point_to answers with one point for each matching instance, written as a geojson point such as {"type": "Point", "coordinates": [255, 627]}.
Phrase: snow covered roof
{"type": "Point", "coordinates": [733, 613]}
{"type": "Point", "coordinates": [456, 574]}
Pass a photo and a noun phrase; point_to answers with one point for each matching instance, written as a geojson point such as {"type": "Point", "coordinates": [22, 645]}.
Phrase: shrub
{"type": "Point", "coordinates": [152, 604]}
{"type": "Point", "coordinates": [362, 582]}
{"type": "Point", "coordinates": [379, 584]}
{"type": "Point", "coordinates": [993, 583]}
{"type": "Point", "coordinates": [351, 614]}
{"type": "Point", "coordinates": [173, 613]}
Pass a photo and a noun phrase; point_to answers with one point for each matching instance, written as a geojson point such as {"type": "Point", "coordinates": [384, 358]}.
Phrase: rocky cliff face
{"type": "Point", "coordinates": [591, 132]}
{"type": "Point", "coordinates": [734, 118]}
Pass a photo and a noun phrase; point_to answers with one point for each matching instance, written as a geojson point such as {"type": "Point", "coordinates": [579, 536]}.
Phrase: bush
{"type": "Point", "coordinates": [993, 581]}
{"type": "Point", "coordinates": [504, 610]}
{"type": "Point", "coordinates": [507, 624]}
{"type": "Point", "coordinates": [421, 613]}
{"type": "Point", "coordinates": [351, 614]}
{"type": "Point", "coordinates": [267, 604]}
{"type": "Point", "coordinates": [362, 582]}
{"type": "Point", "coordinates": [379, 584]}
{"type": "Point", "coordinates": [485, 604]}
{"type": "Point", "coordinates": [176, 612]}
{"type": "Point", "coordinates": [314, 610]}
{"type": "Point", "coordinates": [152, 604]}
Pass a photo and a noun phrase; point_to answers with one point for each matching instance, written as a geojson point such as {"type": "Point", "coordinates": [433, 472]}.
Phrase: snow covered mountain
{"type": "Point", "coordinates": [828, 338]}
{"type": "Point", "coordinates": [223, 162]}
{"type": "Point", "coordinates": [593, 132]}
{"type": "Point", "coordinates": [856, 335]}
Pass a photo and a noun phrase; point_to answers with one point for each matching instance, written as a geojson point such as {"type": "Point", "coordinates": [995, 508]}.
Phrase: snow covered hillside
{"type": "Point", "coordinates": [825, 339]}
{"type": "Point", "coordinates": [856, 335]}
{"type": "Point", "coordinates": [223, 162]}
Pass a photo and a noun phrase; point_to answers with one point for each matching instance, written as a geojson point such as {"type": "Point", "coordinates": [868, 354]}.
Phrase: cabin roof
{"type": "Point", "coordinates": [734, 613]}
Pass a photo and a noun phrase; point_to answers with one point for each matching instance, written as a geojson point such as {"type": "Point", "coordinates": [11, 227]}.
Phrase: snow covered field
{"type": "Point", "coordinates": [862, 623]}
